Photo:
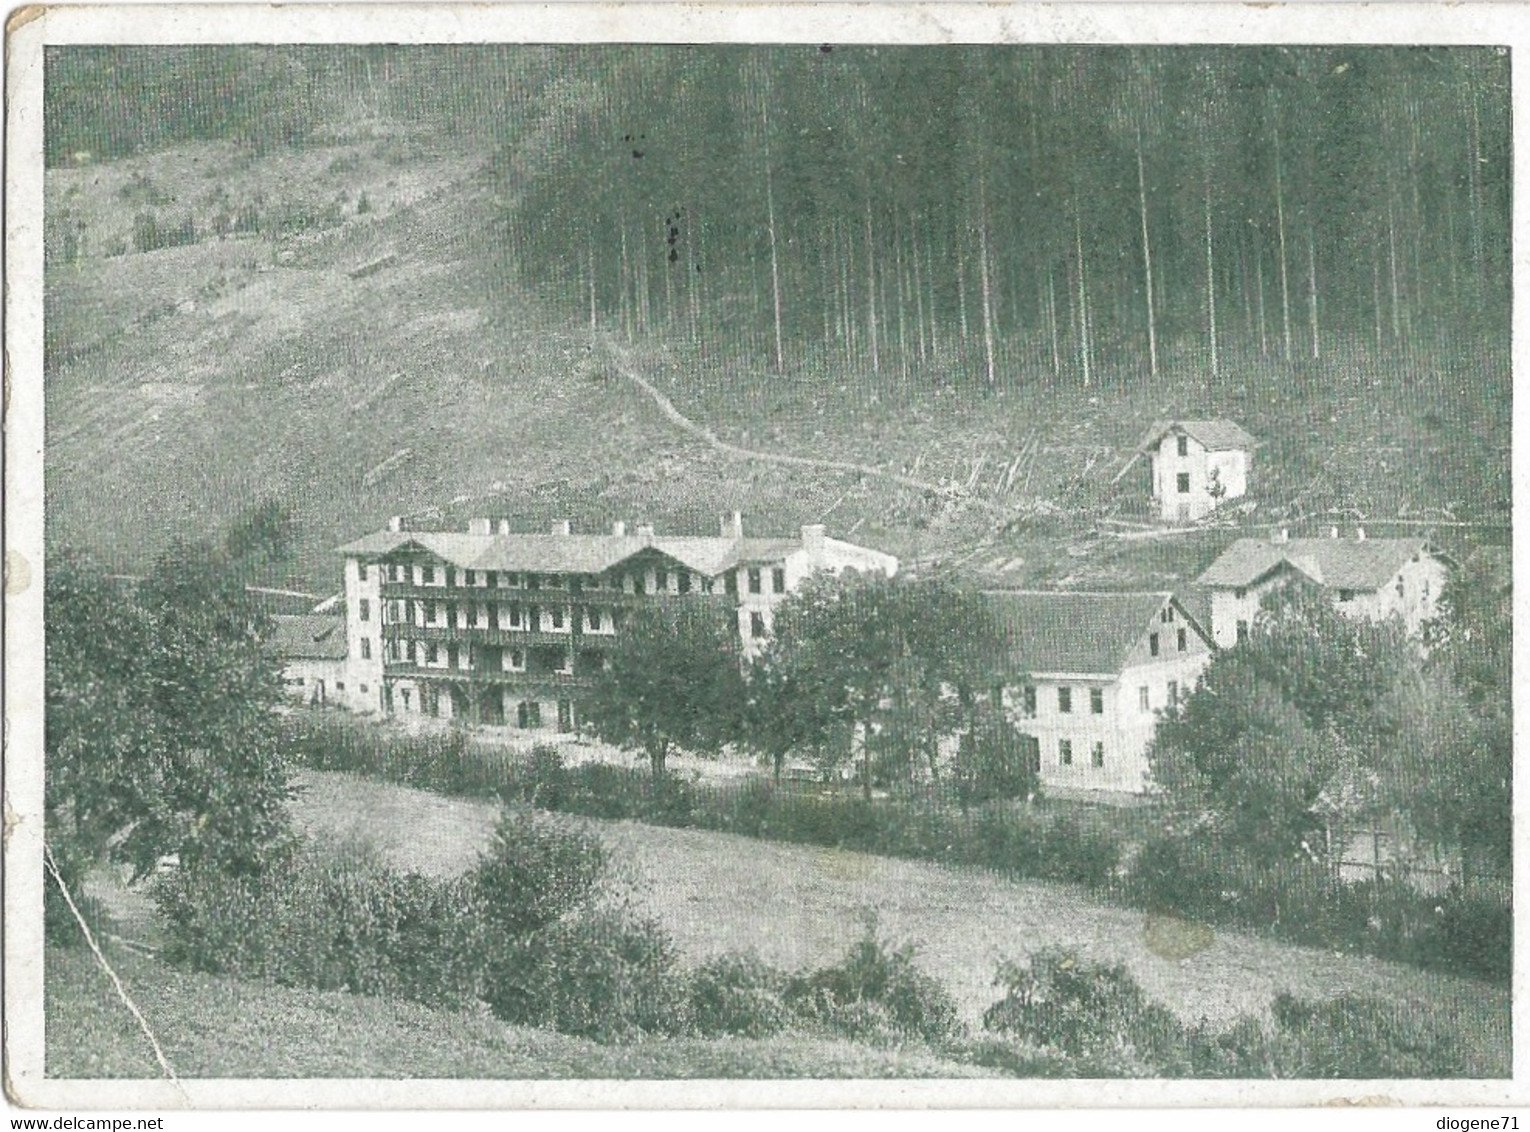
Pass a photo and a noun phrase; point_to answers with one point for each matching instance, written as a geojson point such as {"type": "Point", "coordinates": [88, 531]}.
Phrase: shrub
{"type": "Point", "coordinates": [1360, 1037]}
{"type": "Point", "coordinates": [363, 204]}
{"type": "Point", "coordinates": [994, 761]}
{"type": "Point", "coordinates": [600, 974]}
{"type": "Point", "coordinates": [739, 994]}
{"type": "Point", "coordinates": [1089, 1011]}
{"type": "Point", "coordinates": [876, 991]}
{"type": "Point", "coordinates": [536, 870]}
{"type": "Point", "coordinates": [336, 923]}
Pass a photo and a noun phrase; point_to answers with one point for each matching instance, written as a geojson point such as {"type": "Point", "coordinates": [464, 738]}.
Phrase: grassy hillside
{"type": "Point", "coordinates": [357, 362]}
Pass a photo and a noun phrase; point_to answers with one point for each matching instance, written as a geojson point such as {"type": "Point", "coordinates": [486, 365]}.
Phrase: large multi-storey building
{"type": "Point", "coordinates": [1085, 676]}
{"type": "Point", "coordinates": [503, 628]}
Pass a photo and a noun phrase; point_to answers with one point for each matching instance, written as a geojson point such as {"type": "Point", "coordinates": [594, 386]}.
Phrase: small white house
{"type": "Point", "coordinates": [312, 652]}
{"type": "Point", "coordinates": [1193, 466]}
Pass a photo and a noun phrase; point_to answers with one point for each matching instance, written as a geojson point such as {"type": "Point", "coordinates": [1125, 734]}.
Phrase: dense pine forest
{"type": "Point", "coordinates": [985, 214]}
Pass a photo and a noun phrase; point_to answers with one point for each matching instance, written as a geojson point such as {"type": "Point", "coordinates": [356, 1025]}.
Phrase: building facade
{"type": "Point", "coordinates": [501, 628]}
{"type": "Point", "coordinates": [312, 651]}
{"type": "Point", "coordinates": [1366, 578]}
{"type": "Point", "coordinates": [1193, 466]}
{"type": "Point", "coordinates": [1086, 675]}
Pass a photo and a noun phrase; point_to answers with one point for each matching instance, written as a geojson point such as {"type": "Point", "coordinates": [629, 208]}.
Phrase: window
{"type": "Point", "coordinates": [515, 660]}
{"type": "Point", "coordinates": [556, 582]}
{"type": "Point", "coordinates": [778, 579]}
{"type": "Point", "coordinates": [1028, 696]}
{"type": "Point", "coordinates": [365, 610]}
{"type": "Point", "coordinates": [730, 584]}
{"type": "Point", "coordinates": [1346, 595]}
{"type": "Point", "coordinates": [451, 575]}
{"type": "Point", "coordinates": [339, 685]}
{"type": "Point", "coordinates": [1182, 445]}
{"type": "Point", "coordinates": [556, 613]}
{"type": "Point", "coordinates": [592, 619]}
{"type": "Point", "coordinates": [469, 578]}
{"type": "Point", "coordinates": [685, 581]}
{"type": "Point", "coordinates": [533, 582]}
{"type": "Point", "coordinates": [1065, 700]}
{"type": "Point", "coordinates": [1242, 631]}
{"type": "Point", "coordinates": [1180, 640]}
{"type": "Point", "coordinates": [1173, 693]}
{"type": "Point", "coordinates": [528, 714]}
{"type": "Point", "coordinates": [1096, 701]}
{"type": "Point", "coordinates": [432, 654]}
{"type": "Point", "coordinates": [366, 648]}
{"type": "Point", "coordinates": [363, 689]}
{"type": "Point", "coordinates": [1143, 703]}
{"type": "Point", "coordinates": [1182, 483]}
{"type": "Point", "coordinates": [428, 575]}
{"type": "Point", "coordinates": [756, 625]}
{"type": "Point", "coordinates": [754, 579]}
{"type": "Point", "coordinates": [1097, 754]}
{"type": "Point", "coordinates": [1240, 593]}
{"type": "Point", "coordinates": [1153, 643]}
{"type": "Point", "coordinates": [428, 608]}
{"type": "Point", "coordinates": [1065, 752]}
{"type": "Point", "coordinates": [1399, 585]}
{"type": "Point", "coordinates": [706, 585]}
{"type": "Point", "coordinates": [491, 578]}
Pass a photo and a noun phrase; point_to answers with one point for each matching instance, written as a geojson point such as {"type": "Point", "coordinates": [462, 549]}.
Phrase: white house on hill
{"type": "Point", "coordinates": [1086, 674]}
{"type": "Point", "coordinates": [1195, 465]}
{"type": "Point", "coordinates": [1365, 577]}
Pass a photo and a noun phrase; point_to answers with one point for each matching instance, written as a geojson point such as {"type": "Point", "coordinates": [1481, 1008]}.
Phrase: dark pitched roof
{"type": "Point", "coordinates": [307, 636]}
{"type": "Point", "coordinates": [1072, 632]}
{"type": "Point", "coordinates": [1218, 435]}
{"type": "Point", "coordinates": [571, 554]}
{"type": "Point", "coordinates": [1340, 563]}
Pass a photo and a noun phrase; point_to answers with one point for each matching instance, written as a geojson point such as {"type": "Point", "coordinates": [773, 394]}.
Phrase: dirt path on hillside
{"type": "Point", "coordinates": [624, 366]}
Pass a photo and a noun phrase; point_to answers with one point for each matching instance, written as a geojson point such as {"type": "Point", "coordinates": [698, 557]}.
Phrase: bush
{"type": "Point", "coordinates": [994, 761]}
{"type": "Point", "coordinates": [1358, 1038]}
{"type": "Point", "coordinates": [536, 870]}
{"type": "Point", "coordinates": [739, 994]}
{"type": "Point", "coordinates": [1087, 1011]}
{"type": "Point", "coordinates": [876, 992]}
{"type": "Point", "coordinates": [336, 923]}
{"type": "Point", "coordinates": [601, 975]}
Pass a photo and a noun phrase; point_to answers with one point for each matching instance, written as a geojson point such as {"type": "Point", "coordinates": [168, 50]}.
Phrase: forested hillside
{"type": "Point", "coordinates": [986, 268]}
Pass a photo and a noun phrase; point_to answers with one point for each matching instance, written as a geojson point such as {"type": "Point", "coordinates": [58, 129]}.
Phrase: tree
{"type": "Point", "coordinates": [674, 681]}
{"type": "Point", "coordinates": [161, 731]}
{"type": "Point", "coordinates": [860, 650]}
{"type": "Point", "coordinates": [1315, 720]}
{"type": "Point", "coordinates": [994, 760]}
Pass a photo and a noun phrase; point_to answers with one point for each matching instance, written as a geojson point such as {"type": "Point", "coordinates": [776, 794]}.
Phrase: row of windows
{"type": "Point", "coordinates": [656, 581]}
{"type": "Point", "coordinates": [1181, 642]}
{"type": "Point", "coordinates": [513, 616]}
{"type": "Point", "coordinates": [1065, 753]}
{"type": "Point", "coordinates": [1096, 699]}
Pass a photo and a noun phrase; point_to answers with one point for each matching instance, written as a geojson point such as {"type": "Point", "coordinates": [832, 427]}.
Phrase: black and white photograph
{"type": "Point", "coordinates": [984, 565]}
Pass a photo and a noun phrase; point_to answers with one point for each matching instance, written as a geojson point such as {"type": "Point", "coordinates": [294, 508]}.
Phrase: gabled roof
{"type": "Point", "coordinates": [1339, 563]}
{"type": "Point", "coordinates": [1081, 633]}
{"type": "Point", "coordinates": [1219, 435]}
{"type": "Point", "coordinates": [307, 636]}
{"type": "Point", "coordinates": [572, 554]}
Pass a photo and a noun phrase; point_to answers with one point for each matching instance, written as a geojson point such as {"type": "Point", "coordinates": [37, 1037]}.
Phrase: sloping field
{"type": "Point", "coordinates": [801, 906]}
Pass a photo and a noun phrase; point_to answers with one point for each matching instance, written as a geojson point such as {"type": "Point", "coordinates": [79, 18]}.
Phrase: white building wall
{"type": "Point", "coordinates": [315, 682]}
{"type": "Point", "coordinates": [363, 676]}
{"type": "Point", "coordinates": [1231, 466]}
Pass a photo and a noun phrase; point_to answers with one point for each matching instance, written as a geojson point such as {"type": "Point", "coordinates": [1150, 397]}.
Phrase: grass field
{"type": "Point", "coordinates": [803, 906]}
{"type": "Point", "coordinates": [221, 1027]}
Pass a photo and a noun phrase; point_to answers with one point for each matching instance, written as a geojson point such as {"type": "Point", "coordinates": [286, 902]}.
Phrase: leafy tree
{"type": "Point", "coordinates": [161, 732]}
{"type": "Point", "coordinates": [862, 649]}
{"type": "Point", "coordinates": [994, 760]}
{"type": "Point", "coordinates": [674, 681]}
{"type": "Point", "coordinates": [1316, 720]}
{"type": "Point", "coordinates": [780, 715]}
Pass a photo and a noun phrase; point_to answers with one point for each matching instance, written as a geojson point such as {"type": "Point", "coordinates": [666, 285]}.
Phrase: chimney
{"type": "Point", "coordinates": [619, 529]}
{"type": "Point", "coordinates": [562, 527]}
{"type": "Point", "coordinates": [733, 525]}
{"type": "Point", "coordinates": [812, 543]}
{"type": "Point", "coordinates": [1333, 532]}
{"type": "Point", "coordinates": [504, 526]}
{"type": "Point", "coordinates": [1359, 534]}
{"type": "Point", "coordinates": [480, 527]}
{"type": "Point", "coordinates": [645, 532]}
{"type": "Point", "coordinates": [395, 522]}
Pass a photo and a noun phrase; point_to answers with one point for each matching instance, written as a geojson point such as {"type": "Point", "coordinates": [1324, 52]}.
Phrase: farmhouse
{"type": "Point", "coordinates": [1195, 465]}
{"type": "Point", "coordinates": [496, 627]}
{"type": "Point", "coordinates": [1085, 675]}
{"type": "Point", "coordinates": [311, 648]}
{"type": "Point", "coordinates": [1370, 578]}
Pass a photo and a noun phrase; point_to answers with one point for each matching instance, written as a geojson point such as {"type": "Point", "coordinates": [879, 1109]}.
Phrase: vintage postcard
{"type": "Point", "coordinates": [838, 556]}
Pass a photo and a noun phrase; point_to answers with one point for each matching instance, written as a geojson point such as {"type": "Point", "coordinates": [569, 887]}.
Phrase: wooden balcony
{"type": "Point", "coordinates": [475, 635]}
{"type": "Point", "coordinates": [555, 682]}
